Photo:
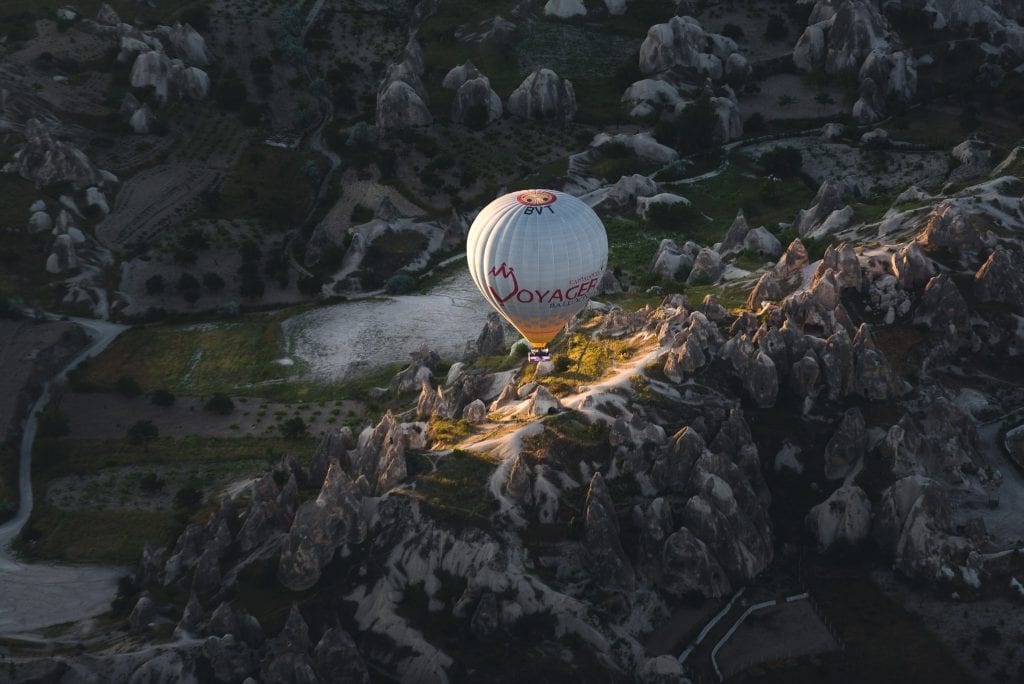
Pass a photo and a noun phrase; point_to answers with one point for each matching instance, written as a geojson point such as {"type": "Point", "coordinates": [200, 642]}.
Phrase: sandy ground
{"type": "Point", "coordinates": [804, 106]}
{"type": "Point", "coordinates": [787, 630]}
{"type": "Point", "coordinates": [352, 337]}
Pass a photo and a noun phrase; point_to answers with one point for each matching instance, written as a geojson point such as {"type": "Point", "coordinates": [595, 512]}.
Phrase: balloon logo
{"type": "Point", "coordinates": [537, 257]}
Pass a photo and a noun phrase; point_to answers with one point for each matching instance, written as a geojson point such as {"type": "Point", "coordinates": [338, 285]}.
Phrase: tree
{"type": "Point", "coordinates": [400, 283]}
{"type": "Point", "coordinates": [155, 284]}
{"type": "Point", "coordinates": [733, 31]}
{"type": "Point", "coordinates": [824, 99]}
{"type": "Point", "coordinates": [293, 428]}
{"type": "Point", "coordinates": [693, 129]}
{"type": "Point", "coordinates": [188, 286]}
{"type": "Point", "coordinates": [219, 403]}
{"type": "Point", "coordinates": [143, 432]}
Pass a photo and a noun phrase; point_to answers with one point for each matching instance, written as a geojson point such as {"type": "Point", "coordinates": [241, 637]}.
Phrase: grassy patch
{"type": "Point", "coordinates": [729, 296]}
{"type": "Point", "coordinates": [446, 431]}
{"type": "Point", "coordinates": [57, 457]}
{"type": "Point", "coordinates": [108, 537]}
{"type": "Point", "coordinates": [457, 489]}
{"type": "Point", "coordinates": [193, 359]}
{"type": "Point", "coordinates": [580, 359]}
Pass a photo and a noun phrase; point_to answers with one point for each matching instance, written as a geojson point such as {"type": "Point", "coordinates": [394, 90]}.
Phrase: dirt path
{"type": "Point", "coordinates": [37, 595]}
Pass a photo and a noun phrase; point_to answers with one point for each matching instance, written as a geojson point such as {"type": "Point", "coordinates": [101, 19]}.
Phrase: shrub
{"type": "Point", "coordinates": [213, 282]}
{"type": "Point", "coordinates": [143, 432]}
{"type": "Point", "coordinates": [733, 31]}
{"type": "Point", "coordinates": [127, 386]}
{"type": "Point", "coordinates": [776, 29]}
{"type": "Point", "coordinates": [188, 498]}
{"type": "Point", "coordinates": [293, 428]}
{"type": "Point", "coordinates": [692, 129]}
{"type": "Point", "coordinates": [53, 423]}
{"type": "Point", "coordinates": [162, 397]}
{"type": "Point", "coordinates": [755, 123]}
{"type": "Point", "coordinates": [151, 483]}
{"type": "Point", "coordinates": [361, 214]}
{"type": "Point", "coordinates": [310, 285]}
{"type": "Point", "coordinates": [783, 162]}
{"type": "Point", "coordinates": [561, 363]}
{"type": "Point", "coordinates": [400, 283]}
{"type": "Point", "coordinates": [220, 404]}
{"type": "Point", "coordinates": [155, 284]}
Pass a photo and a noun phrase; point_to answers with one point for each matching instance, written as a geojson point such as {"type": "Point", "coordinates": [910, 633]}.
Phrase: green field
{"type": "Point", "coordinates": [117, 535]}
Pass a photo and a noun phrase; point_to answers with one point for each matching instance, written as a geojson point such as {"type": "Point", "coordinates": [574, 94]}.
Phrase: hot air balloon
{"type": "Point", "coordinates": [537, 256]}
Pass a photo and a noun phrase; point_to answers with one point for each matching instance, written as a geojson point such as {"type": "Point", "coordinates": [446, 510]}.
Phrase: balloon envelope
{"type": "Point", "coordinates": [537, 256]}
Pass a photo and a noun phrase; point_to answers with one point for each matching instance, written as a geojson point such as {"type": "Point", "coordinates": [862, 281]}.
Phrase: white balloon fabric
{"type": "Point", "coordinates": [537, 256]}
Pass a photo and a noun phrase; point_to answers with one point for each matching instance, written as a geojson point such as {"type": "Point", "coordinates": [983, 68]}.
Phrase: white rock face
{"type": "Point", "coordinates": [399, 106]}
{"type": "Point", "coordinates": [844, 517]}
{"type": "Point", "coordinates": [152, 69]}
{"type": "Point", "coordinates": [94, 198]}
{"type": "Point", "coordinates": [188, 44]}
{"type": "Point", "coordinates": [40, 222]}
{"type": "Point", "coordinates": [670, 257]}
{"type": "Point", "coordinates": [760, 240]}
{"type": "Point", "coordinates": [565, 9]}
{"type": "Point", "coordinates": [616, 7]}
{"type": "Point", "coordinates": [476, 92]}
{"type": "Point", "coordinates": [730, 125]}
{"type": "Point", "coordinates": [458, 75]}
{"type": "Point", "coordinates": [643, 204]}
{"type": "Point", "coordinates": [141, 119]}
{"type": "Point", "coordinates": [193, 83]}
{"type": "Point", "coordinates": [809, 51]}
{"type": "Point", "coordinates": [858, 28]}
{"type": "Point", "coordinates": [683, 42]}
{"type": "Point", "coordinates": [543, 95]}
{"type": "Point", "coordinates": [629, 188]}
{"type": "Point", "coordinates": [648, 95]}
{"type": "Point", "coordinates": [838, 220]}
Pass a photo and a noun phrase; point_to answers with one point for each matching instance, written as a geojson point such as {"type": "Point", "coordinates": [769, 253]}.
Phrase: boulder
{"type": "Point", "coordinates": [142, 614]}
{"type": "Point", "coordinates": [670, 258]}
{"type": "Point", "coordinates": [644, 204]}
{"type": "Point", "coordinates": [565, 9]}
{"type": "Point", "coordinates": [152, 69]}
{"type": "Point", "coordinates": [878, 137]}
{"type": "Point", "coordinates": [189, 45]}
{"type": "Point", "coordinates": [832, 132]}
{"type": "Point", "coordinates": [730, 124]}
{"type": "Point", "coordinates": [793, 260]}
{"type": "Point", "coordinates": [767, 289]}
{"type": "Point", "coordinates": [475, 95]}
{"type": "Point", "coordinates": [543, 403]}
{"type": "Point", "coordinates": [828, 199]}
{"type": "Point", "coordinates": [847, 445]}
{"type": "Point", "coordinates": [94, 198]}
{"type": "Point", "coordinates": [458, 75]}
{"type": "Point", "coordinates": [650, 95]}
{"type": "Point", "coordinates": [762, 242]}
{"type": "Point", "coordinates": [491, 340]}
{"type": "Point", "coordinates": [399, 106]}
{"type": "Point", "coordinates": [949, 227]}
{"type": "Point", "coordinates": [707, 268]}
{"type": "Point", "coordinates": [628, 189]}
{"type": "Point", "coordinates": [844, 517]}
{"type": "Point", "coordinates": [671, 472]}
{"type": "Point", "coordinates": [838, 220]}
{"type": "Point", "coordinates": [475, 411]}
{"type": "Point", "coordinates": [141, 120]}
{"type": "Point", "coordinates": [62, 258]}
{"type": "Point", "coordinates": [809, 51]}
{"type": "Point", "coordinates": [192, 83]}
{"type": "Point", "coordinates": [107, 16]}
{"type": "Point", "coordinates": [40, 222]}
{"type": "Point", "coordinates": [682, 42]}
{"type": "Point", "coordinates": [543, 95]}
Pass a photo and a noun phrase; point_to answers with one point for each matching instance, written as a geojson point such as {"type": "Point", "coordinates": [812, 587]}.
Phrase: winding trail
{"type": "Point", "coordinates": [37, 595]}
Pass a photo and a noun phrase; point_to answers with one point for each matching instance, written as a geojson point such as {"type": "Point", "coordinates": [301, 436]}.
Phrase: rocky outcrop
{"type": "Point", "coordinates": [844, 517]}
{"type": "Point", "coordinates": [670, 258]}
{"type": "Point", "coordinates": [400, 106]}
{"type": "Point", "coordinates": [847, 445]}
{"type": "Point", "coordinates": [829, 198]}
{"type": "Point", "coordinates": [951, 228]}
{"type": "Point", "coordinates": [911, 267]}
{"type": "Point", "coordinates": [543, 95]}
{"type": "Point", "coordinates": [734, 241]}
{"type": "Point", "coordinates": [628, 189]}
{"type": "Point", "coordinates": [943, 309]}
{"type": "Point", "coordinates": [168, 77]}
{"type": "Point", "coordinates": [793, 260]}
{"type": "Point", "coordinates": [320, 527]}
{"type": "Point", "coordinates": [644, 204]}
{"type": "Point", "coordinates": [45, 160]}
{"type": "Point", "coordinates": [458, 75]}
{"type": "Point", "coordinates": [767, 289]}
{"type": "Point", "coordinates": [760, 241]}
{"type": "Point", "coordinates": [1000, 280]}
{"type": "Point", "coordinates": [689, 568]}
{"type": "Point", "coordinates": [188, 44]}
{"type": "Point", "coordinates": [682, 42]}
{"type": "Point", "coordinates": [609, 564]}
{"type": "Point", "coordinates": [475, 98]}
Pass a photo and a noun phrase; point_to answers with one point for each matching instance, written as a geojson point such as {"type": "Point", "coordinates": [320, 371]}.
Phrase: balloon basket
{"type": "Point", "coordinates": [538, 354]}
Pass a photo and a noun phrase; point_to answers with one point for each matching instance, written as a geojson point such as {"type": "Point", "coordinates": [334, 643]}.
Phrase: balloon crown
{"type": "Point", "coordinates": [536, 198]}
